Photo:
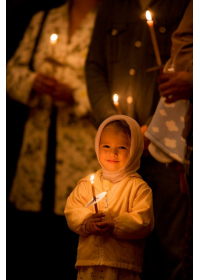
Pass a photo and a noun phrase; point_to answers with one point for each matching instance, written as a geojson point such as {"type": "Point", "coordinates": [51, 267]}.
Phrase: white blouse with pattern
{"type": "Point", "coordinates": [75, 156]}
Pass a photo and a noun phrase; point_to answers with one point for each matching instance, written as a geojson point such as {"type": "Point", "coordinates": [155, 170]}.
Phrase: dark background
{"type": "Point", "coordinates": [18, 15]}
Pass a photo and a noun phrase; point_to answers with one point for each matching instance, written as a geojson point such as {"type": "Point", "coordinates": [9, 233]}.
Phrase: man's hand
{"type": "Point", "coordinates": [175, 86]}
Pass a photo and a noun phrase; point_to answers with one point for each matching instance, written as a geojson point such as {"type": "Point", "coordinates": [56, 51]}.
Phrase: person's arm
{"type": "Point", "coordinates": [182, 41]}
{"type": "Point", "coordinates": [179, 84]}
{"type": "Point", "coordinates": [19, 78]}
{"type": "Point", "coordinates": [175, 86]}
{"type": "Point", "coordinates": [140, 221]}
{"type": "Point", "coordinates": [96, 71]}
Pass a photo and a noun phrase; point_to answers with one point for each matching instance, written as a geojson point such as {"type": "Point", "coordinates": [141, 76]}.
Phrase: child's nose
{"type": "Point", "coordinates": [114, 151]}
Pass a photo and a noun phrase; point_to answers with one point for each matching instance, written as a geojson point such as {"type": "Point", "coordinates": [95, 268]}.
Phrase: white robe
{"type": "Point", "coordinates": [75, 156]}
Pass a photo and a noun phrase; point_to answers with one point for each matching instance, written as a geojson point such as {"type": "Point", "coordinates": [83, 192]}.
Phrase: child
{"type": "Point", "coordinates": [111, 242]}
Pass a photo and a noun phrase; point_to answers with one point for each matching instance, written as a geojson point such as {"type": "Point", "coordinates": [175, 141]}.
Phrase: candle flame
{"type": "Point", "coordinates": [148, 15]}
{"type": "Point", "coordinates": [129, 99]}
{"type": "Point", "coordinates": [92, 178]}
{"type": "Point", "coordinates": [115, 97]}
{"type": "Point", "coordinates": [53, 38]}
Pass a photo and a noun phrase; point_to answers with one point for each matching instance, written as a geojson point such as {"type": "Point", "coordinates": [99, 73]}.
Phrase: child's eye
{"type": "Point", "coordinates": [122, 148]}
{"type": "Point", "coordinates": [106, 146]}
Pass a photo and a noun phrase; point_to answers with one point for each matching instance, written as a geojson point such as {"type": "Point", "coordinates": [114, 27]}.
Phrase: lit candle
{"type": "Point", "coordinates": [129, 101]}
{"type": "Point", "coordinates": [93, 191]}
{"type": "Point", "coordinates": [153, 38]}
{"type": "Point", "coordinates": [53, 41]}
{"type": "Point", "coordinates": [54, 38]}
{"type": "Point", "coordinates": [116, 103]}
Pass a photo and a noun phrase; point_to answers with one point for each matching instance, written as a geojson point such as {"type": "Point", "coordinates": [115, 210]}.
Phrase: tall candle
{"type": "Point", "coordinates": [53, 41]}
{"type": "Point", "coordinates": [129, 101]}
{"type": "Point", "coordinates": [93, 192]}
{"type": "Point", "coordinates": [116, 103]}
{"type": "Point", "coordinates": [153, 38]}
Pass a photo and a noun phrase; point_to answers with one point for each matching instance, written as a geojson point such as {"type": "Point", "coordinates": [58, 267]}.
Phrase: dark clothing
{"type": "Point", "coordinates": [165, 245]}
{"type": "Point", "coordinates": [120, 53]}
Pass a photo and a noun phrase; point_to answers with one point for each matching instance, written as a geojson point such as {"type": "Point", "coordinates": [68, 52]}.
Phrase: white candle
{"type": "Point", "coordinates": [129, 101]}
{"type": "Point", "coordinates": [53, 41]}
{"type": "Point", "coordinates": [116, 103]}
{"type": "Point", "coordinates": [53, 38]}
{"type": "Point", "coordinates": [153, 38]}
{"type": "Point", "coordinates": [93, 191]}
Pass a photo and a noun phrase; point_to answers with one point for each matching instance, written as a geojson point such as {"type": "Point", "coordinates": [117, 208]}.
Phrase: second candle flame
{"type": "Point", "coordinates": [148, 15]}
{"type": "Point", "coordinates": [115, 98]}
{"type": "Point", "coordinates": [54, 38]}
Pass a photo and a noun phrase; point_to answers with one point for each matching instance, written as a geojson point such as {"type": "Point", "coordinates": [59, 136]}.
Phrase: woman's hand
{"type": "Point", "coordinates": [175, 86]}
{"type": "Point", "coordinates": [45, 84]}
{"type": "Point", "coordinates": [63, 93]}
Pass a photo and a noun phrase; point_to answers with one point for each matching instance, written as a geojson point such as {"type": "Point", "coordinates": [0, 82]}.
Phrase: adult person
{"type": "Point", "coordinates": [120, 60]}
{"type": "Point", "coordinates": [57, 146]}
{"type": "Point", "coordinates": [179, 86]}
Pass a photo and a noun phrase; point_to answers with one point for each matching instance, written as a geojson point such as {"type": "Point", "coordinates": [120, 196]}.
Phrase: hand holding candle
{"type": "Point", "coordinates": [116, 103]}
{"type": "Point", "coordinates": [153, 38]}
{"type": "Point", "coordinates": [93, 191]}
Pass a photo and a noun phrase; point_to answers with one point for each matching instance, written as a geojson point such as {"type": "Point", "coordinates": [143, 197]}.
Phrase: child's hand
{"type": "Point", "coordinates": [101, 228]}
{"type": "Point", "coordinates": [95, 218]}
{"type": "Point", "coordinates": [108, 225]}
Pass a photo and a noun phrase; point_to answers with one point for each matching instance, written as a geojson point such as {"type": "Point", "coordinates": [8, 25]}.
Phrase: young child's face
{"type": "Point", "coordinates": [114, 149]}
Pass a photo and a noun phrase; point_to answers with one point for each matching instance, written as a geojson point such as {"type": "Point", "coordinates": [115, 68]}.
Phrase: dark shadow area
{"type": "Point", "coordinates": [51, 234]}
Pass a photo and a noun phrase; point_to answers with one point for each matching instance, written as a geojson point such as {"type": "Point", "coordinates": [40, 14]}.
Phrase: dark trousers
{"type": "Point", "coordinates": [164, 246]}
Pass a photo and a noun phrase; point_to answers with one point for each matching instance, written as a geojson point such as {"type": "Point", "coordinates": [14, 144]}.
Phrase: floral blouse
{"type": "Point", "coordinates": [75, 156]}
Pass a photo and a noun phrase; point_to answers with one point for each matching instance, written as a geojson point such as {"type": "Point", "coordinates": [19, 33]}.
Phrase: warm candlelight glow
{"type": "Point", "coordinates": [153, 38]}
{"type": "Point", "coordinates": [53, 38]}
{"type": "Point", "coordinates": [93, 192]}
{"type": "Point", "coordinates": [129, 99]}
{"type": "Point", "coordinates": [148, 15]}
{"type": "Point", "coordinates": [115, 98]}
{"type": "Point", "coordinates": [92, 178]}
{"type": "Point", "coordinates": [116, 103]}
{"type": "Point", "coordinates": [53, 41]}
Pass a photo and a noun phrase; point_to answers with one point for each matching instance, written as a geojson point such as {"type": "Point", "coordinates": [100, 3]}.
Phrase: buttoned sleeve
{"type": "Point", "coordinates": [139, 222]}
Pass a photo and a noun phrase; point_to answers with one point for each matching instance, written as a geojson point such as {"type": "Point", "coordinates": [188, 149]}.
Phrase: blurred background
{"type": "Point", "coordinates": [18, 16]}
